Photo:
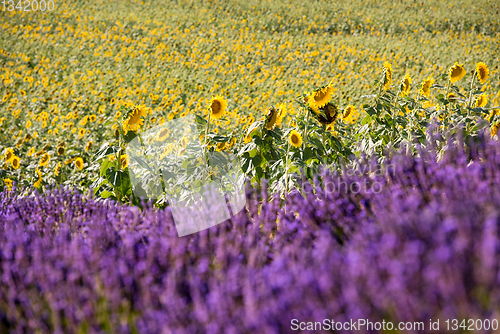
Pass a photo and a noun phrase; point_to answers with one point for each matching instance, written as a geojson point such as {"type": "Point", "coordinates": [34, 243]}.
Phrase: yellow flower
{"type": "Point", "coordinates": [481, 101]}
{"type": "Point", "coordinates": [134, 120]}
{"type": "Point", "coordinates": [31, 151]}
{"type": "Point", "coordinates": [15, 162]}
{"type": "Point", "coordinates": [271, 118]}
{"type": "Point", "coordinates": [456, 72]}
{"type": "Point", "coordinates": [218, 106]}
{"type": "Point", "coordinates": [350, 114]}
{"type": "Point", "coordinates": [28, 124]}
{"type": "Point", "coordinates": [38, 182]}
{"type": "Point", "coordinates": [387, 75]}
{"type": "Point", "coordinates": [57, 170]}
{"type": "Point", "coordinates": [60, 150]}
{"type": "Point", "coordinates": [9, 154]}
{"type": "Point", "coordinates": [330, 115]}
{"type": "Point", "coordinates": [281, 114]}
{"type": "Point", "coordinates": [494, 129]}
{"type": "Point", "coordinates": [163, 134]}
{"type": "Point", "coordinates": [88, 146]}
{"type": "Point", "coordinates": [320, 97]}
{"type": "Point", "coordinates": [44, 160]}
{"type": "Point", "coordinates": [482, 72]}
{"type": "Point", "coordinates": [123, 161]}
{"type": "Point", "coordinates": [295, 138]}
{"type": "Point", "coordinates": [8, 183]}
{"type": "Point", "coordinates": [405, 85]}
{"type": "Point", "coordinates": [425, 90]}
{"type": "Point", "coordinates": [79, 163]}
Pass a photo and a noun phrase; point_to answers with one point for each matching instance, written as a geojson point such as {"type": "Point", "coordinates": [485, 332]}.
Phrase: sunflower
{"type": "Point", "coordinates": [281, 114]}
{"type": "Point", "coordinates": [320, 97]}
{"type": "Point", "coordinates": [163, 134]}
{"type": "Point", "coordinates": [221, 146]}
{"type": "Point", "coordinates": [405, 85]}
{"type": "Point", "coordinates": [81, 132]}
{"type": "Point", "coordinates": [452, 97]}
{"type": "Point", "coordinates": [88, 146]}
{"type": "Point", "coordinates": [134, 120]}
{"type": "Point", "coordinates": [79, 163]}
{"type": "Point", "coordinates": [218, 106]}
{"type": "Point", "coordinates": [9, 154]}
{"type": "Point", "coordinates": [456, 72]}
{"type": "Point", "coordinates": [295, 138]}
{"type": "Point", "coordinates": [481, 101]}
{"type": "Point", "coordinates": [349, 111]}
{"type": "Point", "coordinates": [31, 151]}
{"type": "Point", "coordinates": [387, 75]}
{"type": "Point", "coordinates": [329, 114]}
{"type": "Point", "coordinates": [124, 161]}
{"type": "Point", "coordinates": [8, 183]}
{"type": "Point", "coordinates": [494, 129]}
{"type": "Point", "coordinates": [425, 90]}
{"type": "Point", "coordinates": [60, 150]}
{"type": "Point", "coordinates": [38, 182]}
{"type": "Point", "coordinates": [44, 160]}
{"type": "Point", "coordinates": [271, 118]}
{"type": "Point", "coordinates": [482, 72]}
{"type": "Point", "coordinates": [92, 118]}
{"type": "Point", "coordinates": [15, 162]}
{"type": "Point", "coordinates": [57, 170]}
{"type": "Point", "coordinates": [28, 124]}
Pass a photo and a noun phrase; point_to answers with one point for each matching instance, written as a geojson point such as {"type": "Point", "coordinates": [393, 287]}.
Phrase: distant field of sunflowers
{"type": "Point", "coordinates": [288, 86]}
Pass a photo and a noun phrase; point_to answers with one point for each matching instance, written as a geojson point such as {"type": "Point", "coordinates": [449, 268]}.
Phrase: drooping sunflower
{"type": "Point", "coordinates": [456, 72]}
{"type": "Point", "coordinates": [405, 85]}
{"type": "Point", "coordinates": [271, 118]}
{"type": "Point", "coordinates": [134, 120]}
{"type": "Point", "coordinates": [425, 90]}
{"type": "Point", "coordinates": [482, 72]}
{"type": "Point", "coordinates": [162, 134]}
{"type": "Point", "coordinates": [15, 162]}
{"type": "Point", "coordinates": [481, 101]}
{"type": "Point", "coordinates": [44, 160]}
{"type": "Point", "coordinates": [320, 98]}
{"type": "Point", "coordinates": [218, 106]}
{"type": "Point", "coordinates": [9, 154]}
{"type": "Point", "coordinates": [295, 138]}
{"type": "Point", "coordinates": [329, 114]}
{"type": "Point", "coordinates": [79, 163]}
{"type": "Point", "coordinates": [387, 75]}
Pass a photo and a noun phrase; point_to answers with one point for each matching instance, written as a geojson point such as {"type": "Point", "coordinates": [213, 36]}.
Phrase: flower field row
{"type": "Point", "coordinates": [424, 245]}
{"type": "Point", "coordinates": [66, 75]}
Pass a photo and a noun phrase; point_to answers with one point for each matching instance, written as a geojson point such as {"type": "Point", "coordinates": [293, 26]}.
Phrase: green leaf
{"type": "Point", "coordinates": [257, 160]}
{"type": "Point", "coordinates": [200, 120]}
{"type": "Point", "coordinates": [307, 154]}
{"type": "Point", "coordinates": [106, 194]}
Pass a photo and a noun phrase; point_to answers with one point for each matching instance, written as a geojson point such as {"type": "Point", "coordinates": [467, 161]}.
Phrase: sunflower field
{"type": "Point", "coordinates": [400, 97]}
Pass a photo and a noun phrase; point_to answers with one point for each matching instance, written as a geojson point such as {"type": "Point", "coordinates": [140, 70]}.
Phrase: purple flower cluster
{"type": "Point", "coordinates": [427, 246]}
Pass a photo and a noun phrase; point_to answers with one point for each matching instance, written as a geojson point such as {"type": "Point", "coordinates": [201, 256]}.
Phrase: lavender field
{"type": "Point", "coordinates": [426, 246]}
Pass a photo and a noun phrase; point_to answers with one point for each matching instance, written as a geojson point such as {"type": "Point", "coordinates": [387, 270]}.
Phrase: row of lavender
{"type": "Point", "coordinates": [424, 245]}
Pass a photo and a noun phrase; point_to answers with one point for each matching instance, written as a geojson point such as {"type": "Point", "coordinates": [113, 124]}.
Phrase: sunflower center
{"type": "Point", "coordinates": [295, 139]}
{"type": "Point", "coordinates": [482, 72]}
{"type": "Point", "coordinates": [134, 118]}
{"type": "Point", "coordinates": [455, 72]}
{"type": "Point", "coordinates": [216, 107]}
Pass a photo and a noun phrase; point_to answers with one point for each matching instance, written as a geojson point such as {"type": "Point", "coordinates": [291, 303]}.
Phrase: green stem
{"type": "Point", "coordinates": [394, 116]}
{"type": "Point", "coordinates": [470, 93]}
{"type": "Point", "coordinates": [205, 147]}
{"type": "Point", "coordinates": [305, 130]}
